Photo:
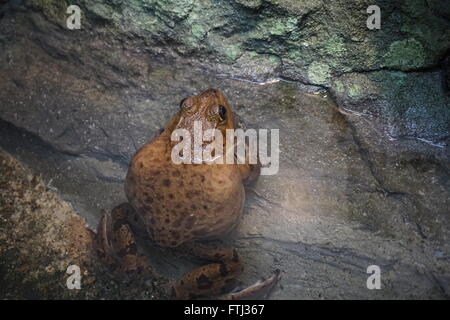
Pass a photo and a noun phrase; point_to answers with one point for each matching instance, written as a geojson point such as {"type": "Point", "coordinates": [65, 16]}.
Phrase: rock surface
{"type": "Point", "coordinates": [395, 73]}
{"type": "Point", "coordinates": [41, 236]}
{"type": "Point", "coordinates": [361, 182]}
{"type": "Point", "coordinates": [315, 42]}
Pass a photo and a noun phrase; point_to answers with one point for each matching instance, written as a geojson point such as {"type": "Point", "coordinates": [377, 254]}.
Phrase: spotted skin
{"type": "Point", "coordinates": [212, 279]}
{"type": "Point", "coordinates": [180, 206]}
{"type": "Point", "coordinates": [116, 245]}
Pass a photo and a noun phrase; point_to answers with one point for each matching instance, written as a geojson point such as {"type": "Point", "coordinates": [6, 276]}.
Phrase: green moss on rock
{"type": "Point", "coordinates": [232, 52]}
{"type": "Point", "coordinates": [173, 8]}
{"type": "Point", "coordinates": [339, 87]}
{"type": "Point", "coordinates": [103, 11]}
{"type": "Point", "coordinates": [335, 46]}
{"type": "Point", "coordinates": [405, 54]}
{"type": "Point", "coordinates": [56, 10]}
{"type": "Point", "coordinates": [319, 73]}
{"type": "Point", "coordinates": [249, 3]}
{"type": "Point", "coordinates": [198, 31]}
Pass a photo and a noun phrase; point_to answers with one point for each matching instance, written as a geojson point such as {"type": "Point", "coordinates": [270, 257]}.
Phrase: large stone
{"type": "Point", "coordinates": [312, 41]}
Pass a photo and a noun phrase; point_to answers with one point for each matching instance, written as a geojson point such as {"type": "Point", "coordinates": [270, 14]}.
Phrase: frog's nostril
{"type": "Point", "coordinates": [211, 91]}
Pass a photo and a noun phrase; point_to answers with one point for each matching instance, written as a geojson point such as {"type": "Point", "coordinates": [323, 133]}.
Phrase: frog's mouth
{"type": "Point", "coordinates": [202, 145]}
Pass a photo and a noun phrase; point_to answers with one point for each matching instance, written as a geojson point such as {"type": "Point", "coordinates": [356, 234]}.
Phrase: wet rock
{"type": "Point", "coordinates": [406, 105]}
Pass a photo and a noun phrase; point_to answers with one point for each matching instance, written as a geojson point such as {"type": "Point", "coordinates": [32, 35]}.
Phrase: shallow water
{"type": "Point", "coordinates": [345, 196]}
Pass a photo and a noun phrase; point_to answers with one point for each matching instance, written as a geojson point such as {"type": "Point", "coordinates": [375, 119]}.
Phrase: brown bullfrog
{"type": "Point", "coordinates": [183, 205]}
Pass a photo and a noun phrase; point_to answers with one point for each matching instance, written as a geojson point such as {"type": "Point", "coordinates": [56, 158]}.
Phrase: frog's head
{"type": "Point", "coordinates": [208, 107]}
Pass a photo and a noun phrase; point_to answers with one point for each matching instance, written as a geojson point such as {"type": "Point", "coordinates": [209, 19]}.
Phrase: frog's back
{"type": "Point", "coordinates": [180, 203]}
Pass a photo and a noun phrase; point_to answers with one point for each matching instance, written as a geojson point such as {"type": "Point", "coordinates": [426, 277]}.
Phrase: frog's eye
{"type": "Point", "coordinates": [186, 106]}
{"type": "Point", "coordinates": [222, 113]}
{"type": "Point", "coordinates": [182, 102]}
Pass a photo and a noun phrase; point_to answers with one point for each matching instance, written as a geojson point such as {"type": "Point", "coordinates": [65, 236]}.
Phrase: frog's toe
{"type": "Point", "coordinates": [259, 290]}
{"type": "Point", "coordinates": [116, 245]}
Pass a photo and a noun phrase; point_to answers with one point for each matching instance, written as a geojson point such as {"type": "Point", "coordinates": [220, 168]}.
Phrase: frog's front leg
{"type": "Point", "coordinates": [249, 171]}
{"type": "Point", "coordinates": [116, 244]}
